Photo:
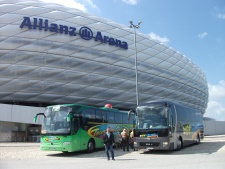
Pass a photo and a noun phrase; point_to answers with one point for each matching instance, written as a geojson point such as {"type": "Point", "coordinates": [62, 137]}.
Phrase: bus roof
{"type": "Point", "coordinates": [82, 105]}
{"type": "Point", "coordinates": [163, 102]}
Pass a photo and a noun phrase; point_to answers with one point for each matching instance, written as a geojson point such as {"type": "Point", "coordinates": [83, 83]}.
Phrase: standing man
{"type": "Point", "coordinates": [131, 139]}
{"type": "Point", "coordinates": [108, 140]}
{"type": "Point", "coordinates": [125, 140]}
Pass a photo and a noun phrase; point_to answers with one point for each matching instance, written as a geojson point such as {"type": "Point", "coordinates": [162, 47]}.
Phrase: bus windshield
{"type": "Point", "coordinates": [151, 117]}
{"type": "Point", "coordinates": [55, 121]}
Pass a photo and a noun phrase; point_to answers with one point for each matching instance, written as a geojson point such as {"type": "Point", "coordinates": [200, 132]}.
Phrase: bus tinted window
{"type": "Point", "coordinates": [98, 116]}
{"type": "Point", "coordinates": [131, 120]}
{"type": "Point", "coordinates": [180, 113]}
{"type": "Point", "coordinates": [118, 118]}
{"type": "Point", "coordinates": [104, 113]}
{"type": "Point", "coordinates": [88, 115]}
{"type": "Point", "coordinates": [110, 117]}
{"type": "Point", "coordinates": [125, 119]}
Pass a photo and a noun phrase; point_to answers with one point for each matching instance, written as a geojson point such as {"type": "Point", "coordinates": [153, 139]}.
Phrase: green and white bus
{"type": "Point", "coordinates": [76, 127]}
{"type": "Point", "coordinates": [164, 125]}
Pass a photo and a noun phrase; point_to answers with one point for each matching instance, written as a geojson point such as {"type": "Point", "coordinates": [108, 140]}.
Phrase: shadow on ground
{"type": "Point", "coordinates": [99, 153]}
{"type": "Point", "coordinates": [202, 148]}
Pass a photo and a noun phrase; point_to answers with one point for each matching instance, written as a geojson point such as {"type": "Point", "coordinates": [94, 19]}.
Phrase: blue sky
{"type": "Point", "coordinates": [195, 28]}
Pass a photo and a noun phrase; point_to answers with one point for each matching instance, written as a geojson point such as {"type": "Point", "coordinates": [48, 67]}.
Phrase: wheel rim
{"type": "Point", "coordinates": [90, 146]}
{"type": "Point", "coordinates": [198, 139]}
{"type": "Point", "coordinates": [179, 144]}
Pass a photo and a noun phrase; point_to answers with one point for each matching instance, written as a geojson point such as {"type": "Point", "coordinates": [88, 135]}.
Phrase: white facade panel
{"type": "Point", "coordinates": [214, 127]}
{"type": "Point", "coordinates": [5, 112]}
{"type": "Point", "coordinates": [20, 114]}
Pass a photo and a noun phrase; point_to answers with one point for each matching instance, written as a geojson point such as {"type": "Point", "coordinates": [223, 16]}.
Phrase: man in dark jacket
{"type": "Point", "coordinates": [108, 140]}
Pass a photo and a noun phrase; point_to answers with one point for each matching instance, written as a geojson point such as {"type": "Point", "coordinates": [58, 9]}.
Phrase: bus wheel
{"type": "Point", "coordinates": [90, 146]}
{"type": "Point", "coordinates": [197, 139]}
{"type": "Point", "coordinates": [179, 143]}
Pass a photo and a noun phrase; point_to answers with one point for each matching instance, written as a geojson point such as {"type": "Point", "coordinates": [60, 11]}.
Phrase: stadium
{"type": "Point", "coordinates": [51, 54]}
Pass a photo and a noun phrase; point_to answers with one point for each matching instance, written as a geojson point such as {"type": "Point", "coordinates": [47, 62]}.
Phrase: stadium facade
{"type": "Point", "coordinates": [51, 54]}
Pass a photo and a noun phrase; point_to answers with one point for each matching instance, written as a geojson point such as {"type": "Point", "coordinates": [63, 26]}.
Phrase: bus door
{"type": "Point", "coordinates": [84, 129]}
{"type": "Point", "coordinates": [75, 126]}
{"type": "Point", "coordinates": [172, 128]}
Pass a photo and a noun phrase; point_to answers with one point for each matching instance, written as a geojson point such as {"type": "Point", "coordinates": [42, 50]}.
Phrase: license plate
{"type": "Point", "coordinates": [51, 148]}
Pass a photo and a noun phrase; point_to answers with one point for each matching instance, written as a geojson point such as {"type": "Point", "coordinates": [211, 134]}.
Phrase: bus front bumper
{"type": "Point", "coordinates": [56, 146]}
{"type": "Point", "coordinates": [147, 144]}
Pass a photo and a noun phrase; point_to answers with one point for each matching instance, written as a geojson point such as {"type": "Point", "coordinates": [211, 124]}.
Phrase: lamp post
{"type": "Point", "coordinates": [136, 71]}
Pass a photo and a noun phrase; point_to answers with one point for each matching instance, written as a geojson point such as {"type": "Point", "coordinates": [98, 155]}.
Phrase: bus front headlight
{"type": "Point", "coordinates": [165, 144]}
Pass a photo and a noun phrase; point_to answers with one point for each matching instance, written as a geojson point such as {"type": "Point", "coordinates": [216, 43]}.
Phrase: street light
{"type": "Point", "coordinates": [136, 71]}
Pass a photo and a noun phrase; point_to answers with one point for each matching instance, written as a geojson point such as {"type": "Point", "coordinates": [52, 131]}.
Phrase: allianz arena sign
{"type": "Point", "coordinates": [84, 32]}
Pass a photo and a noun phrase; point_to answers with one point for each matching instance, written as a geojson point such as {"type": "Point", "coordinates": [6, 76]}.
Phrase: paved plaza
{"type": "Point", "coordinates": [207, 155]}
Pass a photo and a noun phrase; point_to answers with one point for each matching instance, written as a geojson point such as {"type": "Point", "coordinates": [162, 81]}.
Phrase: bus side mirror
{"type": "Point", "coordinates": [128, 114]}
{"type": "Point", "coordinates": [35, 119]}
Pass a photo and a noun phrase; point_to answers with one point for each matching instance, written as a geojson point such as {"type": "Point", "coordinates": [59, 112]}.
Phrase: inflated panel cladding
{"type": "Point", "coordinates": [56, 67]}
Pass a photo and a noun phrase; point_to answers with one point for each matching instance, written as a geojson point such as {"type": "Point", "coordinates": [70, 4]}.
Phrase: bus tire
{"type": "Point", "coordinates": [90, 146]}
{"type": "Point", "coordinates": [198, 139]}
{"type": "Point", "coordinates": [179, 144]}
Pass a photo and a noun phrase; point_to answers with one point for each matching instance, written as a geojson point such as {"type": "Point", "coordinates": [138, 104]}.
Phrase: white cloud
{"type": "Point", "coordinates": [74, 4]}
{"type": "Point", "coordinates": [91, 3]}
{"type": "Point", "coordinates": [68, 3]}
{"type": "Point", "coordinates": [215, 110]}
{"type": "Point", "coordinates": [202, 35]}
{"type": "Point", "coordinates": [163, 40]}
{"type": "Point", "coordinates": [216, 104]}
{"type": "Point", "coordinates": [217, 91]}
{"type": "Point", "coordinates": [130, 2]}
{"type": "Point", "coordinates": [222, 16]}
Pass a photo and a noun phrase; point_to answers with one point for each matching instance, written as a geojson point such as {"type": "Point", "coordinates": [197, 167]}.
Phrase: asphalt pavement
{"type": "Point", "coordinates": [209, 154]}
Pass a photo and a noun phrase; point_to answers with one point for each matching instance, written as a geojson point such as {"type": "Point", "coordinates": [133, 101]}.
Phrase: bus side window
{"type": "Point", "coordinates": [83, 119]}
{"type": "Point", "coordinates": [104, 113]}
{"type": "Point", "coordinates": [118, 118]}
{"type": "Point", "coordinates": [172, 118]}
{"type": "Point", "coordinates": [131, 120]}
{"type": "Point", "coordinates": [125, 119]}
{"type": "Point", "coordinates": [110, 117]}
{"type": "Point", "coordinates": [90, 115]}
{"type": "Point", "coordinates": [98, 116]}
